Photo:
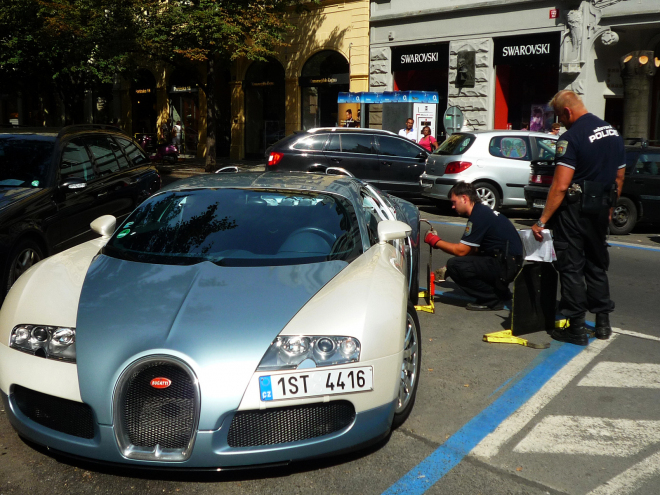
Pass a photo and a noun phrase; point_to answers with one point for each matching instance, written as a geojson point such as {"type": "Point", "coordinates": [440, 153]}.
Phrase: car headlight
{"type": "Point", "coordinates": [45, 341]}
{"type": "Point", "coordinates": [289, 351]}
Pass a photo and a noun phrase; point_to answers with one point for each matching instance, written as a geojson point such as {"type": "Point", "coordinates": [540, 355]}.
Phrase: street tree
{"type": "Point", "coordinates": [213, 32]}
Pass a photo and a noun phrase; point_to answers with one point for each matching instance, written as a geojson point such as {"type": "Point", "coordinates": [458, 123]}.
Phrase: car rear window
{"type": "Point", "coordinates": [647, 163]}
{"type": "Point", "coordinates": [456, 144]}
{"type": "Point", "coordinates": [239, 227]}
{"type": "Point", "coordinates": [314, 142]}
{"type": "Point", "coordinates": [356, 143]}
{"type": "Point", "coordinates": [135, 155]}
{"type": "Point", "coordinates": [514, 147]}
{"type": "Point", "coordinates": [25, 160]}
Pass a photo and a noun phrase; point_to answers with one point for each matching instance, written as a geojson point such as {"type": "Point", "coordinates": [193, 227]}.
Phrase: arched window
{"type": "Point", "coordinates": [323, 77]}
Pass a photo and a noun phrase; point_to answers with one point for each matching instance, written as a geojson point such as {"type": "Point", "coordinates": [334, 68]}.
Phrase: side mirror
{"type": "Point", "coordinates": [389, 230]}
{"type": "Point", "coordinates": [423, 155]}
{"type": "Point", "coordinates": [104, 226]}
{"type": "Point", "coordinates": [73, 184]}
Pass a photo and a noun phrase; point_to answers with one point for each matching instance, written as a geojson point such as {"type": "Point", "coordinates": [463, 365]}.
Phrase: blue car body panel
{"type": "Point", "coordinates": [220, 320]}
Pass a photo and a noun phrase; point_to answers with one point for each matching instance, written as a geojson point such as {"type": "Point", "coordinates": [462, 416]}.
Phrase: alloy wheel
{"type": "Point", "coordinates": [620, 216]}
{"type": "Point", "coordinates": [25, 259]}
{"type": "Point", "coordinates": [409, 366]}
{"type": "Point", "coordinates": [487, 197]}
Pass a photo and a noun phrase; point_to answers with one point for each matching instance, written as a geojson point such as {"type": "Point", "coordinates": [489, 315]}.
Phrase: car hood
{"type": "Point", "coordinates": [9, 195]}
{"type": "Point", "coordinates": [219, 320]}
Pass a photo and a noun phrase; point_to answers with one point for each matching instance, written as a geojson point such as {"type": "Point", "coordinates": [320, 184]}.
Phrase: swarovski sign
{"type": "Point", "coordinates": [424, 57]}
{"type": "Point", "coordinates": [528, 49]}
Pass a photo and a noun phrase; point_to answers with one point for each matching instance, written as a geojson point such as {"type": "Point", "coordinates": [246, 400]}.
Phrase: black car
{"type": "Point", "coordinates": [382, 158]}
{"type": "Point", "coordinates": [53, 183]}
{"type": "Point", "coordinates": [640, 197]}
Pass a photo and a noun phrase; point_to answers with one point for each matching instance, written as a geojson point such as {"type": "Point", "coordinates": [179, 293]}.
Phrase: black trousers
{"type": "Point", "coordinates": [480, 277]}
{"type": "Point", "coordinates": [582, 261]}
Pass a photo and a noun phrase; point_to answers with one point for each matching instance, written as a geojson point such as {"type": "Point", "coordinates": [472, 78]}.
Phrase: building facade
{"type": "Point", "coordinates": [521, 51]}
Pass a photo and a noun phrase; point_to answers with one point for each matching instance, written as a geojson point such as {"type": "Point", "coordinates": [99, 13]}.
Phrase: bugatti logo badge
{"type": "Point", "coordinates": [160, 382]}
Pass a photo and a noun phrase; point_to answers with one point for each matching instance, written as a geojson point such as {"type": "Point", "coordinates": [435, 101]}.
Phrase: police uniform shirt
{"type": "Point", "coordinates": [593, 149]}
{"type": "Point", "coordinates": [489, 231]}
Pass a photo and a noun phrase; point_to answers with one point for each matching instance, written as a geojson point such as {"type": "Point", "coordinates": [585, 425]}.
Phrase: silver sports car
{"type": "Point", "coordinates": [230, 320]}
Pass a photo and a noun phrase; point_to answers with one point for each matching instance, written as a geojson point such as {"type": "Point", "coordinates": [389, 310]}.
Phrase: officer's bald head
{"type": "Point", "coordinates": [568, 107]}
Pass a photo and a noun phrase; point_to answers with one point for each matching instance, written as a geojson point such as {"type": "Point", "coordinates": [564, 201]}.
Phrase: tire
{"type": "Point", "coordinates": [624, 217]}
{"type": "Point", "coordinates": [489, 195]}
{"type": "Point", "coordinates": [23, 256]}
{"type": "Point", "coordinates": [410, 368]}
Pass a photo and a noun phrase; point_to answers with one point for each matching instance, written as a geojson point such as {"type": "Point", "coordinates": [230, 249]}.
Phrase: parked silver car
{"type": "Point", "coordinates": [496, 162]}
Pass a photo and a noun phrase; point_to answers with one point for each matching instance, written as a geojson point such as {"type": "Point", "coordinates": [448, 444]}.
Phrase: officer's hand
{"type": "Point", "coordinates": [536, 230]}
{"type": "Point", "coordinates": [432, 238]}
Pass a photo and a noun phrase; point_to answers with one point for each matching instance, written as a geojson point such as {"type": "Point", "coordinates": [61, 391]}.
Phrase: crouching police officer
{"type": "Point", "coordinates": [588, 178]}
{"type": "Point", "coordinates": [489, 255]}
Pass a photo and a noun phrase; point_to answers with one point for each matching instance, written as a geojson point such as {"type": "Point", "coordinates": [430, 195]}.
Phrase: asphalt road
{"type": "Point", "coordinates": [489, 418]}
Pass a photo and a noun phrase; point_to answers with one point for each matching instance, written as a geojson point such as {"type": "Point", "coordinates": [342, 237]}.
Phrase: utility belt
{"type": "Point", "coordinates": [592, 196]}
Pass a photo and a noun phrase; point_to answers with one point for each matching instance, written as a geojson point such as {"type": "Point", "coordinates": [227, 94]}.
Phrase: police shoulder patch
{"type": "Point", "coordinates": [562, 146]}
{"type": "Point", "coordinates": [468, 228]}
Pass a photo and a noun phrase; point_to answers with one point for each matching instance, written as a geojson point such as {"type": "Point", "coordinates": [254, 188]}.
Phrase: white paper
{"type": "Point", "coordinates": [535, 250]}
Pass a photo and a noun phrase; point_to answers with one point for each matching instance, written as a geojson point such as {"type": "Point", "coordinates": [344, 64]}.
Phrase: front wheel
{"type": "Point", "coordinates": [489, 195]}
{"type": "Point", "coordinates": [624, 217]}
{"type": "Point", "coordinates": [410, 368]}
{"type": "Point", "coordinates": [23, 256]}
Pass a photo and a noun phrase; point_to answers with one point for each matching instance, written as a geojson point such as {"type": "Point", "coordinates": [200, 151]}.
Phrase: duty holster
{"type": "Point", "coordinates": [596, 196]}
{"type": "Point", "coordinates": [508, 267]}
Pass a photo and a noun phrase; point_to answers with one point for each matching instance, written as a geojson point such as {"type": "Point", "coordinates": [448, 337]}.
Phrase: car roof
{"type": "Point", "coordinates": [504, 132]}
{"type": "Point", "coordinates": [26, 131]}
{"type": "Point", "coordinates": [57, 132]}
{"type": "Point", "coordinates": [350, 129]}
{"type": "Point", "coordinates": [300, 181]}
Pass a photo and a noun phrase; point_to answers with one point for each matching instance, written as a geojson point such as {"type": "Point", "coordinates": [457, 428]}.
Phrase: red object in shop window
{"type": "Point", "coordinates": [456, 167]}
{"type": "Point", "coordinates": [509, 126]}
{"type": "Point", "coordinates": [554, 13]}
{"type": "Point", "coordinates": [274, 158]}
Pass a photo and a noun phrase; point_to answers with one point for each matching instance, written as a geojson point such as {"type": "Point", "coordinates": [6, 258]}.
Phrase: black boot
{"type": "Point", "coordinates": [603, 329]}
{"type": "Point", "coordinates": [575, 333]}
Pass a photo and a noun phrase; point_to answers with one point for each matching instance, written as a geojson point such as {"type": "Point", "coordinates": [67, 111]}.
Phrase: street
{"type": "Point", "coordinates": [489, 418]}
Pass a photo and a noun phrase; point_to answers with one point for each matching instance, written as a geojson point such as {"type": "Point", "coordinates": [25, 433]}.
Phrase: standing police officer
{"type": "Point", "coordinates": [588, 178]}
{"type": "Point", "coordinates": [489, 255]}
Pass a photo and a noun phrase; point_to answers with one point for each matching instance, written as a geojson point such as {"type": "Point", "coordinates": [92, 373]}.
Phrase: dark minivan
{"type": "Point", "coordinates": [54, 183]}
{"type": "Point", "coordinates": [382, 158]}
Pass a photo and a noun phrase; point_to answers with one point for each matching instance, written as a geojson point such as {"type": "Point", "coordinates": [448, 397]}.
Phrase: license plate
{"type": "Point", "coordinates": [313, 383]}
{"type": "Point", "coordinates": [539, 203]}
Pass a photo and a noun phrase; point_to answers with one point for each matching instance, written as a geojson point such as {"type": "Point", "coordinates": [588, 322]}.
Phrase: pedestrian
{"type": "Point", "coordinates": [488, 256]}
{"type": "Point", "coordinates": [524, 126]}
{"type": "Point", "coordinates": [588, 178]}
{"type": "Point", "coordinates": [428, 142]}
{"type": "Point", "coordinates": [554, 130]}
{"type": "Point", "coordinates": [349, 122]}
{"type": "Point", "coordinates": [409, 131]}
{"type": "Point", "coordinates": [176, 133]}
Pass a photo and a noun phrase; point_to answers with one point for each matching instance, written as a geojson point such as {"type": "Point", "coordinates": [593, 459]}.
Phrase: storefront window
{"type": "Point", "coordinates": [143, 96]}
{"type": "Point", "coordinates": [323, 77]}
{"type": "Point", "coordinates": [264, 106]}
{"type": "Point", "coordinates": [183, 125]}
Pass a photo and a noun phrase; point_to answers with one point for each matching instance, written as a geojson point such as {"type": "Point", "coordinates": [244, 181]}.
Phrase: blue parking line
{"type": "Point", "coordinates": [423, 476]}
{"type": "Point", "coordinates": [625, 245]}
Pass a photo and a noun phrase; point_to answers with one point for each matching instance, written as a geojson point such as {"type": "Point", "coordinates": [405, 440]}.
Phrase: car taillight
{"type": "Point", "coordinates": [456, 167]}
{"type": "Point", "coordinates": [274, 158]}
{"type": "Point", "coordinates": [540, 179]}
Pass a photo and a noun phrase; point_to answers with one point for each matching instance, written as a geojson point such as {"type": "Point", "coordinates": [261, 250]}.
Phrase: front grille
{"type": "Point", "coordinates": [289, 424]}
{"type": "Point", "coordinates": [159, 416]}
{"type": "Point", "coordinates": [66, 416]}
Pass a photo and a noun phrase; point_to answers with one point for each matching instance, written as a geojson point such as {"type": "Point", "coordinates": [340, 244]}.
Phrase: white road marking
{"type": "Point", "coordinates": [630, 333]}
{"type": "Point", "coordinates": [590, 436]}
{"type": "Point", "coordinates": [631, 479]}
{"type": "Point", "coordinates": [622, 375]}
{"type": "Point", "coordinates": [490, 446]}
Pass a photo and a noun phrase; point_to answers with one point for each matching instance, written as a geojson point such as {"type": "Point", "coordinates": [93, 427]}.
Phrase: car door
{"type": "Point", "coordinates": [401, 163]}
{"type": "Point", "coordinates": [645, 178]}
{"type": "Point", "coordinates": [114, 195]}
{"type": "Point", "coordinates": [510, 166]}
{"type": "Point", "coordinates": [354, 152]}
{"type": "Point", "coordinates": [75, 207]}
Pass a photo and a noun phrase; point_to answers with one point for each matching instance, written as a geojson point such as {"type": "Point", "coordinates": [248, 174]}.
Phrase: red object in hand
{"type": "Point", "coordinates": [432, 239]}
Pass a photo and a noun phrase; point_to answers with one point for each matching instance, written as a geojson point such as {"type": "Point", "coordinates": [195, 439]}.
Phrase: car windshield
{"type": "Point", "coordinates": [24, 160]}
{"type": "Point", "coordinates": [239, 227]}
{"type": "Point", "coordinates": [455, 144]}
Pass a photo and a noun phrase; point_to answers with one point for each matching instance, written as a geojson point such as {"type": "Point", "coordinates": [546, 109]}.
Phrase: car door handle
{"type": "Point", "coordinates": [386, 163]}
{"type": "Point", "coordinates": [101, 194]}
{"type": "Point", "coordinates": [336, 160]}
